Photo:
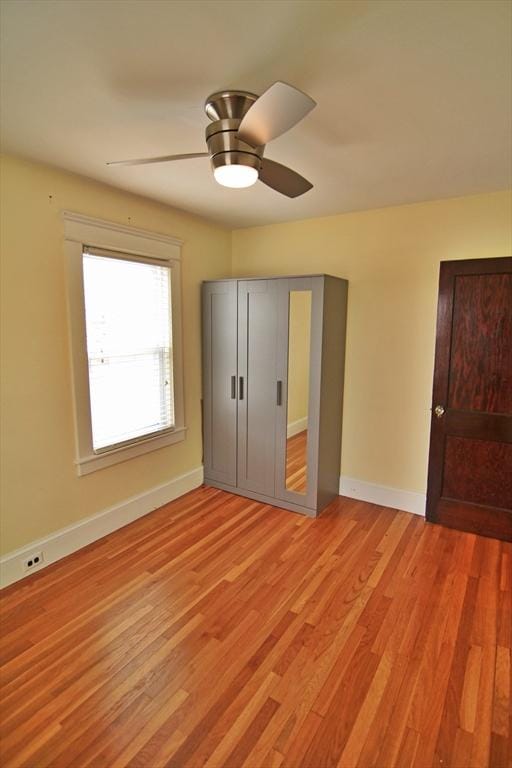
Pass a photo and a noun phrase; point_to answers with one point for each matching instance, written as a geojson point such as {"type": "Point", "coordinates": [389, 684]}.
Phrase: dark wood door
{"type": "Point", "coordinates": [470, 463]}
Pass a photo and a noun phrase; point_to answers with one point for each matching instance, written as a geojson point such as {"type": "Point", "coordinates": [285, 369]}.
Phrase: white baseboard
{"type": "Point", "coordinates": [408, 501]}
{"type": "Point", "coordinates": [73, 537]}
{"type": "Point", "coordinates": [297, 426]}
{"type": "Point", "coordinates": [68, 540]}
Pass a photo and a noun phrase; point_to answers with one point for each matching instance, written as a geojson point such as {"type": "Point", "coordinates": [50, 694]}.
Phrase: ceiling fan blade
{"type": "Point", "coordinates": [164, 159]}
{"type": "Point", "coordinates": [277, 110]}
{"type": "Point", "coordinates": [283, 179]}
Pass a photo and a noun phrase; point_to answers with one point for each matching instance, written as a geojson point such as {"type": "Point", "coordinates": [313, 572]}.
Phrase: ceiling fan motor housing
{"type": "Point", "coordinates": [226, 110]}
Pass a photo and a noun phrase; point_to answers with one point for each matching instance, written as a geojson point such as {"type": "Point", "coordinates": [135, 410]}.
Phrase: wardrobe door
{"type": "Point", "coordinates": [299, 375]}
{"type": "Point", "coordinates": [220, 380]}
{"type": "Point", "coordinates": [257, 385]}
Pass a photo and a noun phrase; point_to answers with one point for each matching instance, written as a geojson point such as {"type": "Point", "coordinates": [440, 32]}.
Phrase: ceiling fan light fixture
{"type": "Point", "coordinates": [233, 167]}
{"type": "Point", "coordinates": [236, 176]}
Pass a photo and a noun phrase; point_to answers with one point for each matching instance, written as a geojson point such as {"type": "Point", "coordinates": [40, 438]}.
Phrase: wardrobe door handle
{"type": "Point", "coordinates": [241, 388]}
{"type": "Point", "coordinates": [233, 387]}
{"type": "Point", "coordinates": [279, 392]}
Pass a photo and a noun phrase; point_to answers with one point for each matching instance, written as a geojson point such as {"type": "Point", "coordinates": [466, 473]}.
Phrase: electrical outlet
{"type": "Point", "coordinates": [33, 562]}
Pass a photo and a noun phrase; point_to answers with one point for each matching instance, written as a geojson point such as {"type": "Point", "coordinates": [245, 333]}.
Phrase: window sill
{"type": "Point", "coordinates": [94, 462]}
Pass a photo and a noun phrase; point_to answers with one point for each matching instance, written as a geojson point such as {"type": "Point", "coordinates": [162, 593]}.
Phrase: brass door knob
{"type": "Point", "coordinates": [439, 411]}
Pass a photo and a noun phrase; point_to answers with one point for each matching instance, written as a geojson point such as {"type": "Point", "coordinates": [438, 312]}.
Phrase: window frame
{"type": "Point", "coordinates": [82, 231]}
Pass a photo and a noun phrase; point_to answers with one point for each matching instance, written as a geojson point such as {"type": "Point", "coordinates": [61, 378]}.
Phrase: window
{"type": "Point", "coordinates": [125, 334]}
{"type": "Point", "coordinates": [128, 329]}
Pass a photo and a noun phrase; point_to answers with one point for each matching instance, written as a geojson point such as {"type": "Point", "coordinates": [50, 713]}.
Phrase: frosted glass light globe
{"type": "Point", "coordinates": [236, 176]}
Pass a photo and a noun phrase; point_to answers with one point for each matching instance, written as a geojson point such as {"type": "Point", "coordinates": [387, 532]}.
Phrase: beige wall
{"type": "Point", "coordinates": [40, 489]}
{"type": "Point", "coordinates": [391, 259]}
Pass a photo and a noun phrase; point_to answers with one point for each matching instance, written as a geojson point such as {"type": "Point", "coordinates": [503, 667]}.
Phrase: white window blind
{"type": "Point", "coordinates": [129, 347]}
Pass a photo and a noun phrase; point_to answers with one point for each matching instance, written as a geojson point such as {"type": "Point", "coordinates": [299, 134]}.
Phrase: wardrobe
{"type": "Point", "coordinates": [273, 367]}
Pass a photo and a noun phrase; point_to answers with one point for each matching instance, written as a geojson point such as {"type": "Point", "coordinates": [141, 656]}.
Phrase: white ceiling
{"type": "Point", "coordinates": [414, 97]}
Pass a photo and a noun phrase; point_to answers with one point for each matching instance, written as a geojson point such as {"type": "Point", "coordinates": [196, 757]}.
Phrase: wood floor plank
{"type": "Point", "coordinates": [221, 632]}
{"type": "Point", "coordinates": [366, 715]}
{"type": "Point", "coordinates": [469, 700]}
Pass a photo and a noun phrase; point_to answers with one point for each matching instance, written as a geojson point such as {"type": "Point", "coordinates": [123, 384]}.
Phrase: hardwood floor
{"type": "Point", "coordinates": [218, 631]}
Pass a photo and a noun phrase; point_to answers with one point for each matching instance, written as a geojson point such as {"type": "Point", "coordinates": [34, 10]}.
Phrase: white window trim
{"type": "Point", "coordinates": [80, 231]}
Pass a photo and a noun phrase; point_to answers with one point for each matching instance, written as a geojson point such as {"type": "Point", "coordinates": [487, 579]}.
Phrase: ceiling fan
{"type": "Point", "coordinates": [242, 124]}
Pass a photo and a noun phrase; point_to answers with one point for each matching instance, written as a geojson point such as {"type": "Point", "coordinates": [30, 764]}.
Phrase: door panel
{"type": "Point", "coordinates": [470, 464]}
{"type": "Point", "coordinates": [257, 395]}
{"type": "Point", "coordinates": [481, 344]}
{"type": "Point", "coordinates": [219, 385]}
{"type": "Point", "coordinates": [479, 471]}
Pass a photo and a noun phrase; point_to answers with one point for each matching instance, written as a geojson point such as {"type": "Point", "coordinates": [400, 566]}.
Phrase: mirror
{"type": "Point", "coordinates": [299, 332]}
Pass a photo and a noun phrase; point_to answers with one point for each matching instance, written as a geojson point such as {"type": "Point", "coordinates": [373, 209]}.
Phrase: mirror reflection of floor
{"type": "Point", "coordinates": [296, 457]}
